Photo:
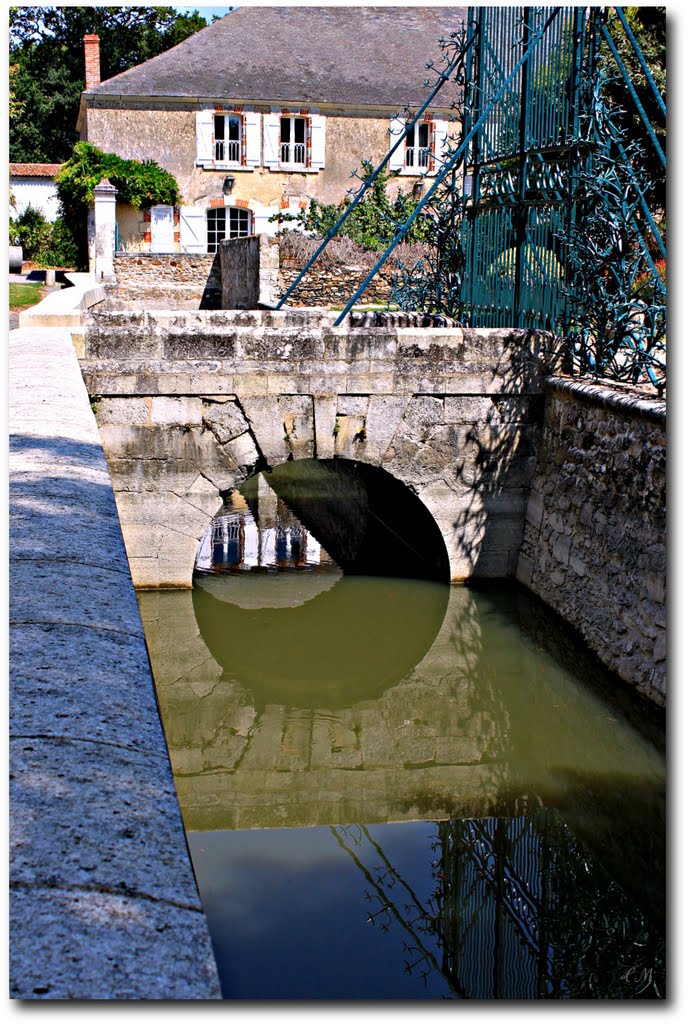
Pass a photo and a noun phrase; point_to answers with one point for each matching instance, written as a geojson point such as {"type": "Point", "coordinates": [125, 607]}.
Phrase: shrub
{"type": "Point", "coordinates": [373, 223]}
{"type": "Point", "coordinates": [63, 250]}
{"type": "Point", "coordinates": [32, 231]}
{"type": "Point", "coordinates": [46, 244]}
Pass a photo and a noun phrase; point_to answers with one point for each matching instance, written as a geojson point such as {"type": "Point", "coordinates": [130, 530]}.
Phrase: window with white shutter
{"type": "Point", "coordinates": [317, 142]}
{"type": "Point", "coordinates": [193, 229]}
{"type": "Point", "coordinates": [293, 141]}
{"type": "Point", "coordinates": [204, 138]}
{"type": "Point", "coordinates": [227, 138]}
{"type": "Point", "coordinates": [422, 147]}
{"type": "Point", "coordinates": [252, 137]}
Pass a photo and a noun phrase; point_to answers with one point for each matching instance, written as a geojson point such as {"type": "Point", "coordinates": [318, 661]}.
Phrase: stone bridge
{"type": "Point", "coordinates": [191, 403]}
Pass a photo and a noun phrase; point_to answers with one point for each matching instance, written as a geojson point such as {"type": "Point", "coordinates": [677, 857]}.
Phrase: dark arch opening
{"type": "Point", "coordinates": [369, 522]}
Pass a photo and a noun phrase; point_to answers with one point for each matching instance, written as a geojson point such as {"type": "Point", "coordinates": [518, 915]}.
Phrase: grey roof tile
{"type": "Point", "coordinates": [370, 56]}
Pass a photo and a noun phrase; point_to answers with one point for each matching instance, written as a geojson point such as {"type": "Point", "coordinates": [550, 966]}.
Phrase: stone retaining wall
{"type": "Point", "coordinates": [333, 286]}
{"type": "Point", "coordinates": [159, 281]}
{"type": "Point", "coordinates": [594, 544]}
{"type": "Point", "coordinates": [103, 901]}
{"type": "Point", "coordinates": [246, 273]}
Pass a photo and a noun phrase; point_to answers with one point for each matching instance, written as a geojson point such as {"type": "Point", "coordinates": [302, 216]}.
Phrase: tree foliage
{"type": "Point", "coordinates": [139, 183]}
{"type": "Point", "coordinates": [47, 65]}
{"type": "Point", "coordinates": [648, 25]}
{"type": "Point", "coordinates": [373, 222]}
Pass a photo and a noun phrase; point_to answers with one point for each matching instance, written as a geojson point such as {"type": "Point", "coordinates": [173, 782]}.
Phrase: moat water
{"type": "Point", "coordinates": [395, 789]}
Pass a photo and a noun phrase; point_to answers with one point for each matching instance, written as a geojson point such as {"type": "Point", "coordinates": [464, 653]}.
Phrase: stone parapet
{"type": "Point", "coordinates": [595, 536]}
{"type": "Point", "coordinates": [103, 901]}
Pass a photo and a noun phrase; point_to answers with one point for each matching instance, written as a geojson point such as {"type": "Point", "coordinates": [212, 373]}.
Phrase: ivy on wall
{"type": "Point", "coordinates": [140, 183]}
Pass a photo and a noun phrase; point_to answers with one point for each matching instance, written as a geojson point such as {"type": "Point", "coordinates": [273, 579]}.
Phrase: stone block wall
{"type": "Point", "coordinates": [328, 285]}
{"type": "Point", "coordinates": [594, 543]}
{"type": "Point", "coordinates": [166, 281]}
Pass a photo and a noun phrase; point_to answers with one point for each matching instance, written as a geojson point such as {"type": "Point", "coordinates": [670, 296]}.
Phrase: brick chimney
{"type": "Point", "coordinates": [92, 60]}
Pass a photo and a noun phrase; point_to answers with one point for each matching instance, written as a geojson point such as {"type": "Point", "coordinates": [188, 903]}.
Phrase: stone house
{"type": "Point", "coordinates": [269, 108]}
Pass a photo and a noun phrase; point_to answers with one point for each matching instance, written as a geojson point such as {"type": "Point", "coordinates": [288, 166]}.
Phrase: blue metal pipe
{"type": "Point", "coordinates": [648, 74]}
{"type": "Point", "coordinates": [634, 94]}
{"type": "Point", "coordinates": [449, 165]}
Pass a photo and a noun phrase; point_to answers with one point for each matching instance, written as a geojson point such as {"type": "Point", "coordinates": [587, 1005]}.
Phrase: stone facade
{"type": "Point", "coordinates": [594, 545]}
{"type": "Point", "coordinates": [166, 131]}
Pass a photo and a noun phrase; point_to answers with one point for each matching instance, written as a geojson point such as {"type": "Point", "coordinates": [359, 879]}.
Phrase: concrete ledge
{"type": "Point", "coordinates": [103, 901]}
{"type": "Point", "coordinates": [63, 308]}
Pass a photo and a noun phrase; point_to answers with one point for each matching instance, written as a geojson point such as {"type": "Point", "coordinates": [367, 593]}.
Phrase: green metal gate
{"type": "Point", "coordinates": [540, 209]}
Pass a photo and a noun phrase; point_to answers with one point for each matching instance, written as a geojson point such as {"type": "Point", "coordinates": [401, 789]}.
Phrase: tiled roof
{"type": "Point", "coordinates": [364, 56]}
{"type": "Point", "coordinates": [34, 170]}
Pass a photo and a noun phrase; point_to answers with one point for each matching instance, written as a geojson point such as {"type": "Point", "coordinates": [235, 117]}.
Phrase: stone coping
{"type": "Point", "coordinates": [63, 308]}
{"type": "Point", "coordinates": [610, 395]}
{"type": "Point", "coordinates": [103, 900]}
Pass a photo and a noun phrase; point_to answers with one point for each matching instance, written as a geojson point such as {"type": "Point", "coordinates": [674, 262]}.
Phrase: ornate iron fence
{"type": "Point", "coordinates": [539, 212]}
{"type": "Point", "coordinates": [556, 232]}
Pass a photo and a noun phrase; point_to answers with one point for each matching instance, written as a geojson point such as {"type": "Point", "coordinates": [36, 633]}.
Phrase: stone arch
{"type": "Point", "coordinates": [176, 459]}
{"type": "Point", "coordinates": [241, 436]}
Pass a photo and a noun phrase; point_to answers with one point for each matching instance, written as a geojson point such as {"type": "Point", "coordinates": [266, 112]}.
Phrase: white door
{"type": "Point", "coordinates": [162, 229]}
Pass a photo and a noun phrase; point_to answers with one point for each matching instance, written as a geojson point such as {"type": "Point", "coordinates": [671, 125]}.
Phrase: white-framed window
{"type": "Point", "coordinates": [421, 145]}
{"type": "Point", "coordinates": [294, 141]}
{"type": "Point", "coordinates": [417, 146]}
{"type": "Point", "coordinates": [227, 138]}
{"type": "Point", "coordinates": [227, 222]}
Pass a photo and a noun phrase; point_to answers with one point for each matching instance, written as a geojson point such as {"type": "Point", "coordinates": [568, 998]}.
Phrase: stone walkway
{"type": "Point", "coordinates": [103, 901]}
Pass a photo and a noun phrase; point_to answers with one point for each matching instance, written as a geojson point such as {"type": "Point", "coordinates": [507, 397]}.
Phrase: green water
{"type": "Point", "coordinates": [395, 789]}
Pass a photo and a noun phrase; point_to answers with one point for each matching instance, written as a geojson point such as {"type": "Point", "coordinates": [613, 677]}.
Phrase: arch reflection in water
{"type": "Point", "coordinates": [348, 639]}
{"type": "Point", "coordinates": [511, 827]}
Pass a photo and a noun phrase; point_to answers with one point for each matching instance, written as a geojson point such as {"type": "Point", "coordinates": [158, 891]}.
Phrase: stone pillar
{"type": "Point", "coordinates": [105, 212]}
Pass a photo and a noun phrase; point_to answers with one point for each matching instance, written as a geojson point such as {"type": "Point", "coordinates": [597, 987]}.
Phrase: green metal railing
{"type": "Point", "coordinates": [540, 209]}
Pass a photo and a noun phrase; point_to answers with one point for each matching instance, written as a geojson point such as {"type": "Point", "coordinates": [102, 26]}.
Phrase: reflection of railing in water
{"type": "Point", "coordinates": [520, 910]}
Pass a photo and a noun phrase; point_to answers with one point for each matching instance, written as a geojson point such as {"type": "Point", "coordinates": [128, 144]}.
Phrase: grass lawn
{"type": "Point", "coordinates": [24, 295]}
